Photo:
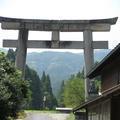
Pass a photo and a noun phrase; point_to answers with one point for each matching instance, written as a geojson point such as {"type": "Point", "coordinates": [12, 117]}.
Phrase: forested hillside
{"type": "Point", "coordinates": [59, 65]}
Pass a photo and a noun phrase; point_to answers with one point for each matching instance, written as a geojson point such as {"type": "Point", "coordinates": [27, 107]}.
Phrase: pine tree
{"type": "Point", "coordinates": [43, 81]}
{"type": "Point", "coordinates": [52, 102]}
{"type": "Point", "coordinates": [80, 74]}
{"type": "Point", "coordinates": [48, 84]}
{"type": "Point", "coordinates": [61, 96]}
{"type": "Point", "coordinates": [49, 100]}
{"type": "Point", "coordinates": [35, 83]}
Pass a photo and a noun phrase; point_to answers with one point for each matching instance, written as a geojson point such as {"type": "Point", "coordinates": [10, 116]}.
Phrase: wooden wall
{"type": "Point", "coordinates": [100, 111]}
{"type": "Point", "coordinates": [110, 75]}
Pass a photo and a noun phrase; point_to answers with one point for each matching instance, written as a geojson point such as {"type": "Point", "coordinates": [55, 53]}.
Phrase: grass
{"type": "Point", "coordinates": [71, 117]}
{"type": "Point", "coordinates": [21, 115]}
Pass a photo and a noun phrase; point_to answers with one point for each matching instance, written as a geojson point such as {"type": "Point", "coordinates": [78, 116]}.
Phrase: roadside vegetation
{"type": "Point", "coordinates": [71, 117]}
{"type": "Point", "coordinates": [14, 92]}
{"type": "Point", "coordinates": [72, 91]}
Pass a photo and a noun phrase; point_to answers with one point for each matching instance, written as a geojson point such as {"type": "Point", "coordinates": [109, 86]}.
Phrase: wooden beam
{"type": "Point", "coordinates": [10, 25]}
{"type": "Point", "coordinates": [62, 44]}
{"type": "Point", "coordinates": [100, 44]}
{"type": "Point", "coordinates": [110, 21]}
{"type": "Point", "coordinates": [63, 27]}
{"type": "Point", "coordinates": [46, 44]}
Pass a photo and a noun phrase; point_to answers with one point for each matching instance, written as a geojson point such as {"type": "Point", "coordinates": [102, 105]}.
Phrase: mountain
{"type": "Point", "coordinates": [59, 65]}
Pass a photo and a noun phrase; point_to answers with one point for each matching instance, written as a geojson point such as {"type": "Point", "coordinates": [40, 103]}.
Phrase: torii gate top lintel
{"type": "Point", "coordinates": [108, 21]}
{"type": "Point", "coordinates": [58, 25]}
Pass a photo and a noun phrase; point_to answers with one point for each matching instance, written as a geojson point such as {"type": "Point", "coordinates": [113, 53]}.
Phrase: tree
{"type": "Point", "coordinates": [35, 83]}
{"type": "Point", "coordinates": [80, 74]}
{"type": "Point", "coordinates": [74, 91]}
{"type": "Point", "coordinates": [49, 101]}
{"type": "Point", "coordinates": [35, 86]}
{"type": "Point", "coordinates": [14, 92]}
{"type": "Point", "coordinates": [61, 95]}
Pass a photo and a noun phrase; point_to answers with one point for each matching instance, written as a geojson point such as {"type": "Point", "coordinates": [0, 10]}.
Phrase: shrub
{"type": "Point", "coordinates": [14, 92]}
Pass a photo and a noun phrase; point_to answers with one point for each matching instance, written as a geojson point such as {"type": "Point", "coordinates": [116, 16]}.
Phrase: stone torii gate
{"type": "Point", "coordinates": [57, 26]}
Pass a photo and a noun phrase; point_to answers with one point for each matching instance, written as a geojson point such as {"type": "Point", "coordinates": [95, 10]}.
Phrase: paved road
{"type": "Point", "coordinates": [46, 116]}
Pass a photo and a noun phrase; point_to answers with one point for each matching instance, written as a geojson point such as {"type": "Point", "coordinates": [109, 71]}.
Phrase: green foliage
{"type": "Point", "coordinates": [71, 117]}
{"type": "Point", "coordinates": [61, 95]}
{"type": "Point", "coordinates": [14, 92]}
{"type": "Point", "coordinates": [49, 101]}
{"type": "Point", "coordinates": [39, 88]}
{"type": "Point", "coordinates": [59, 65]}
{"type": "Point", "coordinates": [35, 86]}
{"type": "Point", "coordinates": [73, 94]}
{"type": "Point", "coordinates": [80, 74]}
{"type": "Point", "coordinates": [35, 83]}
{"type": "Point", "coordinates": [98, 85]}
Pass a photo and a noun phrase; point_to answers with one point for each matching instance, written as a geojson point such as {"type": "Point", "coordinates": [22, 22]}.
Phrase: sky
{"type": "Point", "coordinates": [62, 9]}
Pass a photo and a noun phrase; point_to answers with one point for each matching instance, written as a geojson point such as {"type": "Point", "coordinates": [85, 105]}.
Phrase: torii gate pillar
{"type": "Point", "coordinates": [21, 51]}
{"type": "Point", "coordinates": [88, 57]}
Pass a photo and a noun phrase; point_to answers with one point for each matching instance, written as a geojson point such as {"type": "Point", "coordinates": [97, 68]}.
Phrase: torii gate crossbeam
{"type": "Point", "coordinates": [57, 26]}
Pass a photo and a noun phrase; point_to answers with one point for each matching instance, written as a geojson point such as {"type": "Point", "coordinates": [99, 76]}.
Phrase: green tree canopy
{"type": "Point", "coordinates": [14, 92]}
{"type": "Point", "coordinates": [35, 86]}
{"type": "Point", "coordinates": [74, 91]}
{"type": "Point", "coordinates": [49, 100]}
{"type": "Point", "coordinates": [61, 95]}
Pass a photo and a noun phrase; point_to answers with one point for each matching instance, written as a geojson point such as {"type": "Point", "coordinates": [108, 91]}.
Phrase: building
{"type": "Point", "coordinates": [107, 105]}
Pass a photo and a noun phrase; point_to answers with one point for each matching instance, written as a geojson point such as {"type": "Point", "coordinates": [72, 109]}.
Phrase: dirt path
{"type": "Point", "coordinates": [45, 116]}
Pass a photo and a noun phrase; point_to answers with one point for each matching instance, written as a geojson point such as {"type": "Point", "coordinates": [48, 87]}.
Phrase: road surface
{"type": "Point", "coordinates": [46, 116]}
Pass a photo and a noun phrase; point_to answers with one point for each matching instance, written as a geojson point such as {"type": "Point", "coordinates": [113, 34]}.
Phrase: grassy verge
{"type": "Point", "coordinates": [21, 115]}
{"type": "Point", "coordinates": [71, 117]}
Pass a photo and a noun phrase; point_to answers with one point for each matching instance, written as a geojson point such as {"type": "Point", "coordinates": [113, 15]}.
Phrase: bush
{"type": "Point", "coordinates": [73, 92]}
{"type": "Point", "coordinates": [14, 92]}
